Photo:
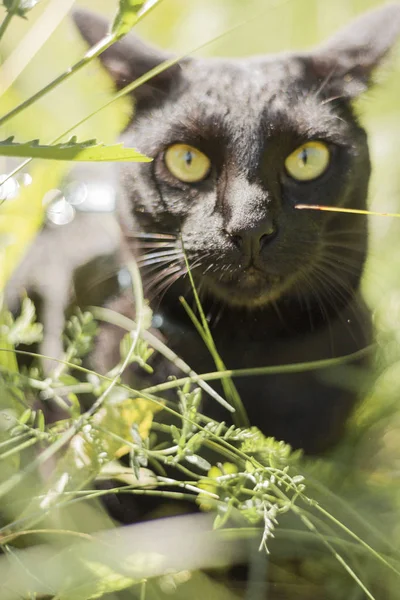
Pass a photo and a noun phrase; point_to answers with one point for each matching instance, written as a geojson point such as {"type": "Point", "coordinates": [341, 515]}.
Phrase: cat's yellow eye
{"type": "Point", "coordinates": [186, 163]}
{"type": "Point", "coordinates": [308, 161]}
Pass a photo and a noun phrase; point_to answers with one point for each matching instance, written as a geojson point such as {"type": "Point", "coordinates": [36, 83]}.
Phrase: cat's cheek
{"type": "Point", "coordinates": [202, 230]}
{"type": "Point", "coordinates": [328, 190]}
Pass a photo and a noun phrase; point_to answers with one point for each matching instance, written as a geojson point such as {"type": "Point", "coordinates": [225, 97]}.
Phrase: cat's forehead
{"type": "Point", "coordinates": [226, 98]}
{"type": "Point", "coordinates": [255, 78]}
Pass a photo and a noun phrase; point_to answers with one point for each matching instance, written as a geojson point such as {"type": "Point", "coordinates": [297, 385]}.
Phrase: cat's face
{"type": "Point", "coordinates": [238, 224]}
{"type": "Point", "coordinates": [236, 146]}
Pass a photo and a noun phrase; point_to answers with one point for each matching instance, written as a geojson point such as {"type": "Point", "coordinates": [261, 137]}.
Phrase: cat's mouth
{"type": "Point", "coordinates": [252, 276]}
{"type": "Point", "coordinates": [250, 286]}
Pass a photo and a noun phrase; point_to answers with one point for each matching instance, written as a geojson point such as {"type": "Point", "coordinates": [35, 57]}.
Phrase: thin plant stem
{"type": "Point", "coordinates": [11, 12]}
{"type": "Point", "coordinates": [95, 51]}
{"type": "Point", "coordinates": [61, 366]}
{"type": "Point", "coordinates": [79, 534]}
{"type": "Point", "coordinates": [19, 448]}
{"type": "Point", "coordinates": [217, 375]}
{"type": "Point", "coordinates": [352, 211]}
{"type": "Point", "coordinates": [139, 304]}
{"type": "Point", "coordinates": [110, 316]}
{"type": "Point", "coordinates": [35, 38]}
{"type": "Point", "coordinates": [14, 440]}
{"type": "Point", "coordinates": [258, 371]}
{"type": "Point", "coordinates": [240, 417]}
{"type": "Point", "coordinates": [352, 512]}
{"type": "Point", "coordinates": [360, 541]}
{"type": "Point", "coordinates": [137, 83]}
{"type": "Point", "coordinates": [135, 491]}
{"type": "Point", "coordinates": [143, 586]}
{"type": "Point", "coordinates": [91, 54]}
{"type": "Point", "coordinates": [333, 551]}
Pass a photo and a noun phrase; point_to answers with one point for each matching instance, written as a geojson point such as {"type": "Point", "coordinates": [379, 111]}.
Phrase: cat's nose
{"type": "Point", "coordinates": [251, 240]}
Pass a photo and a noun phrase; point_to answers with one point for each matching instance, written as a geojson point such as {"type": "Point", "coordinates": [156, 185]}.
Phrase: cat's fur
{"type": "Point", "coordinates": [271, 299]}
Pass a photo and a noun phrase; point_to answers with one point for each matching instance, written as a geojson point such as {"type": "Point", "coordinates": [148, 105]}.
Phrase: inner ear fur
{"type": "Point", "coordinates": [129, 58]}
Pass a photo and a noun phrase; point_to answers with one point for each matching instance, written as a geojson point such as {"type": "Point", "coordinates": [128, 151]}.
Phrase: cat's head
{"type": "Point", "coordinates": [237, 144]}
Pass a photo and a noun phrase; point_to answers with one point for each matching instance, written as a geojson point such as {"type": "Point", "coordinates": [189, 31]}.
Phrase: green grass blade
{"type": "Point", "coordinates": [240, 417]}
{"type": "Point", "coordinates": [351, 211]}
{"type": "Point", "coordinates": [87, 151]}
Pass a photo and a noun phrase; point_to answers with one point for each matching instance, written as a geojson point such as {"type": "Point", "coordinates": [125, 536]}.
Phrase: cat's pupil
{"type": "Point", "coordinates": [188, 158]}
{"type": "Point", "coordinates": [304, 156]}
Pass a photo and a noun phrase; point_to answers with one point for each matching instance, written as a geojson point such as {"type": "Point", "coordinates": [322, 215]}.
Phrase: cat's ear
{"type": "Point", "coordinates": [129, 58]}
{"type": "Point", "coordinates": [347, 60]}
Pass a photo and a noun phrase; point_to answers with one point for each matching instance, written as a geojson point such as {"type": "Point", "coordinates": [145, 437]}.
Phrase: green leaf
{"type": "Point", "coordinates": [198, 461]}
{"type": "Point", "coordinates": [107, 436]}
{"type": "Point", "coordinates": [25, 417]}
{"type": "Point", "coordinates": [80, 331]}
{"type": "Point", "coordinates": [87, 151]}
{"type": "Point", "coordinates": [176, 434]}
{"type": "Point", "coordinates": [250, 468]}
{"type": "Point", "coordinates": [140, 356]}
{"type": "Point", "coordinates": [115, 470]}
{"type": "Point", "coordinates": [40, 424]}
{"type": "Point", "coordinates": [11, 399]}
{"type": "Point", "coordinates": [126, 16]}
{"type": "Point", "coordinates": [24, 329]}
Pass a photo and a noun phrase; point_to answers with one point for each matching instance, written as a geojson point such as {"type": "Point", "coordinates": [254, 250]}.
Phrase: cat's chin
{"type": "Point", "coordinates": [249, 289]}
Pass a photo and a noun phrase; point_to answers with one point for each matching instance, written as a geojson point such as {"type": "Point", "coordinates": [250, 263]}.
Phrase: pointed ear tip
{"type": "Point", "coordinates": [85, 19]}
{"type": "Point", "coordinates": [80, 15]}
{"type": "Point", "coordinates": [386, 14]}
{"type": "Point", "coordinates": [392, 6]}
{"type": "Point", "coordinates": [390, 11]}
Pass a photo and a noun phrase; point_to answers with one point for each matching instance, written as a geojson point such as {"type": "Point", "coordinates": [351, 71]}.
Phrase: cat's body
{"type": "Point", "coordinates": [307, 409]}
{"type": "Point", "coordinates": [279, 285]}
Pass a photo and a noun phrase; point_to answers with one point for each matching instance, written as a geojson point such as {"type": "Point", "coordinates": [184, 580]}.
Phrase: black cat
{"type": "Point", "coordinates": [237, 144]}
